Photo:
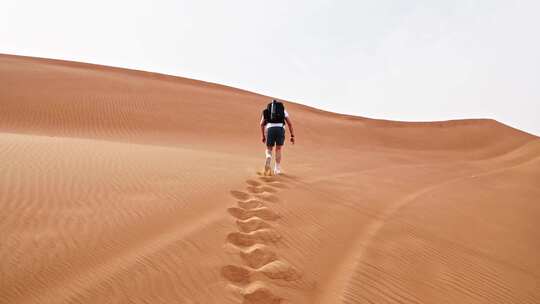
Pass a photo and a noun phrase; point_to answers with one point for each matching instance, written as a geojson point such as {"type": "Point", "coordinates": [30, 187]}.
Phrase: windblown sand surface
{"type": "Point", "coordinates": [120, 186]}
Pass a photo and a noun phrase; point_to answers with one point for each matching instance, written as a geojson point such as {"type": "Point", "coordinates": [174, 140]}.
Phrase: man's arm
{"type": "Point", "coordinates": [263, 124]}
{"type": "Point", "coordinates": [289, 124]}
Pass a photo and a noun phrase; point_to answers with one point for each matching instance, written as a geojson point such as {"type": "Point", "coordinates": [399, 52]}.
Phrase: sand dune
{"type": "Point", "coordinates": [121, 186]}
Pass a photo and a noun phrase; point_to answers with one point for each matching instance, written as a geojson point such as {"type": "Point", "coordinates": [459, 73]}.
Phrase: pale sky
{"type": "Point", "coordinates": [402, 60]}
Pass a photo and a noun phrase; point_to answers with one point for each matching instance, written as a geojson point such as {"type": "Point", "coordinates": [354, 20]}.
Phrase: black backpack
{"type": "Point", "coordinates": [275, 112]}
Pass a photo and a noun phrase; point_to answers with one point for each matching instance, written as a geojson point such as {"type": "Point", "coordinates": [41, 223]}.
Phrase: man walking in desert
{"type": "Point", "coordinates": [273, 122]}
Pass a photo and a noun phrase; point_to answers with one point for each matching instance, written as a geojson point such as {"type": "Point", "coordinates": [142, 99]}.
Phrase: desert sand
{"type": "Point", "coordinates": [123, 186]}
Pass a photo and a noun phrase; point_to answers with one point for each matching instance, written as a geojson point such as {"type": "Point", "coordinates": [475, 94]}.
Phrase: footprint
{"type": "Point", "coordinates": [268, 197]}
{"type": "Point", "coordinates": [253, 183]}
{"type": "Point", "coordinates": [252, 224]}
{"type": "Point", "coordinates": [268, 189]}
{"type": "Point", "coordinates": [253, 237]}
{"type": "Point", "coordinates": [240, 195]}
{"type": "Point", "coordinates": [260, 189]}
{"type": "Point", "coordinates": [263, 236]}
{"type": "Point", "coordinates": [258, 256]}
{"type": "Point", "coordinates": [259, 294]}
{"type": "Point", "coordinates": [276, 270]}
{"type": "Point", "coordinates": [236, 274]}
{"type": "Point", "coordinates": [262, 212]}
{"type": "Point", "coordinates": [280, 270]}
{"type": "Point", "coordinates": [250, 204]}
{"type": "Point", "coordinates": [255, 189]}
{"type": "Point", "coordinates": [267, 179]}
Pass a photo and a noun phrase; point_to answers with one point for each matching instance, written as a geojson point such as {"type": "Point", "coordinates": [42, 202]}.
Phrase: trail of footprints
{"type": "Point", "coordinates": [255, 240]}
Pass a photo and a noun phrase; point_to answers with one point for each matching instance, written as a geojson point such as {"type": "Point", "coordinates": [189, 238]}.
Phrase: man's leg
{"type": "Point", "coordinates": [277, 168]}
{"type": "Point", "coordinates": [268, 161]}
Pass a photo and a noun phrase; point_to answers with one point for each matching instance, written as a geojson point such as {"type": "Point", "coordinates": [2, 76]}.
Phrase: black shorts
{"type": "Point", "coordinates": [275, 136]}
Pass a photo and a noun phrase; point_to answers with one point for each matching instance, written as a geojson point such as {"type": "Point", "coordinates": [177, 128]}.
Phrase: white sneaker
{"type": "Point", "coordinates": [277, 170]}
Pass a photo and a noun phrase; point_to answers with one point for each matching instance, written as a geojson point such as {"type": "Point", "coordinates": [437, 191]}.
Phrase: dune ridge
{"type": "Point", "coordinates": [120, 186]}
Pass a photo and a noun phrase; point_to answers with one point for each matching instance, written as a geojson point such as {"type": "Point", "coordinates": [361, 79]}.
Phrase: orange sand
{"type": "Point", "coordinates": [120, 186]}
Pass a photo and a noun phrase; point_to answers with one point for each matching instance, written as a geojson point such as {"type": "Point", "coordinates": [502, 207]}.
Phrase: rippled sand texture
{"type": "Point", "coordinates": [120, 186]}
